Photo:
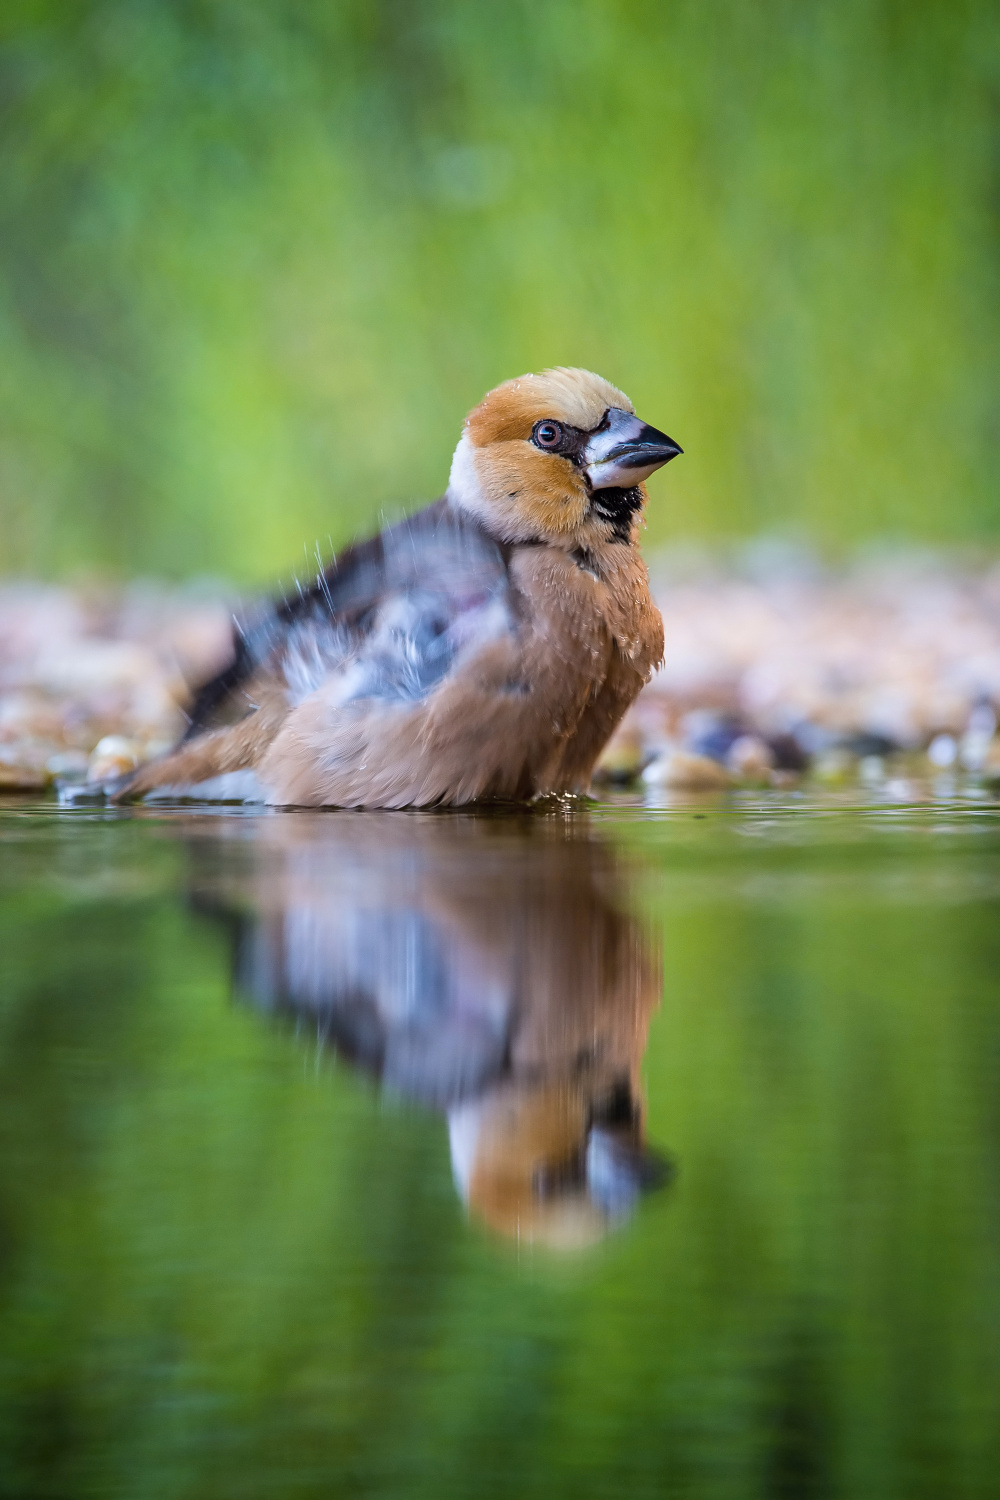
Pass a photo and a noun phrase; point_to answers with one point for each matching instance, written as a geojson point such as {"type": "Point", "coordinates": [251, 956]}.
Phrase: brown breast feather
{"type": "Point", "coordinates": [525, 714]}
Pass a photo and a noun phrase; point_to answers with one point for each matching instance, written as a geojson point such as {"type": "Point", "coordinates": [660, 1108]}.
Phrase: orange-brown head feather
{"type": "Point", "coordinates": [578, 397]}
{"type": "Point", "coordinates": [518, 490]}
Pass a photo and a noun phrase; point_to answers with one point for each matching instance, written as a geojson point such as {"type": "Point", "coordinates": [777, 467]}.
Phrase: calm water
{"type": "Point", "coordinates": [628, 1152]}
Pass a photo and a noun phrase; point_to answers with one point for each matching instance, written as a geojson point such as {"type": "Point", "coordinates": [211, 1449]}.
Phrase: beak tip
{"type": "Point", "coordinates": [627, 451]}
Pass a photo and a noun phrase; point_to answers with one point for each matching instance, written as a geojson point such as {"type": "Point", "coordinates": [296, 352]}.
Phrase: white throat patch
{"type": "Point", "coordinates": [464, 489]}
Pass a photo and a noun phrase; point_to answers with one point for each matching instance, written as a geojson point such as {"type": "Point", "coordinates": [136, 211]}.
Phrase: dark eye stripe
{"type": "Point", "coordinates": [569, 443]}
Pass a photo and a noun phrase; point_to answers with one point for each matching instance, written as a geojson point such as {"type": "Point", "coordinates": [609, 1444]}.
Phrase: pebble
{"type": "Point", "coordinates": [114, 755]}
{"type": "Point", "coordinates": [21, 778]}
{"type": "Point", "coordinates": [903, 647]}
{"type": "Point", "coordinates": [751, 759]}
{"type": "Point", "coordinates": [990, 768]}
{"type": "Point", "coordinates": [70, 764]}
{"type": "Point", "coordinates": [871, 769]}
{"type": "Point", "coordinates": [975, 743]}
{"type": "Point", "coordinates": [621, 761]}
{"type": "Point", "coordinates": [686, 772]}
{"type": "Point", "coordinates": [96, 680]}
{"type": "Point", "coordinates": [833, 766]}
{"type": "Point", "coordinates": [943, 751]}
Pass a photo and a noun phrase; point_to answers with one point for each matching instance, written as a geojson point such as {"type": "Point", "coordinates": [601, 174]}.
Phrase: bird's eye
{"type": "Point", "coordinates": [546, 434]}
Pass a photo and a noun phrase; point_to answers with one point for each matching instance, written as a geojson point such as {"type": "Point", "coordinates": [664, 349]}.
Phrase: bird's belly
{"type": "Point", "coordinates": [487, 732]}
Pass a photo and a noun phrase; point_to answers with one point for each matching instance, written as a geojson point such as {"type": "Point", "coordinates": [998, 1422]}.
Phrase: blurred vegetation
{"type": "Point", "coordinates": [258, 259]}
{"type": "Point", "coordinates": [228, 1267]}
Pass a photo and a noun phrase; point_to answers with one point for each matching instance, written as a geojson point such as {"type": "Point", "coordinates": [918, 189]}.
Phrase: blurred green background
{"type": "Point", "coordinates": [258, 259]}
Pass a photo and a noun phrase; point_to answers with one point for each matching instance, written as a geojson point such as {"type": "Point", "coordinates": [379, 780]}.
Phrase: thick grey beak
{"type": "Point", "coordinates": [625, 451]}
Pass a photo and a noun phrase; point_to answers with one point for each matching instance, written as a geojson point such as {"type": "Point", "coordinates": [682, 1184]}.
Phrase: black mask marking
{"type": "Point", "coordinates": [617, 506]}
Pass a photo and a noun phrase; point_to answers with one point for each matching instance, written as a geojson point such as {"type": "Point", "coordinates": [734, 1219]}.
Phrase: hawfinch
{"type": "Point", "coordinates": [483, 649]}
{"type": "Point", "coordinates": [487, 971]}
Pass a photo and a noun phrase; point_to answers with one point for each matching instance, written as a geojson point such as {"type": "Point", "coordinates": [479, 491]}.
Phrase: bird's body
{"type": "Point", "coordinates": [483, 649]}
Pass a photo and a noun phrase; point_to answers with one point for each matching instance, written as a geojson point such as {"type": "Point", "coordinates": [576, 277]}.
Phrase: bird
{"type": "Point", "coordinates": [486, 970]}
{"type": "Point", "coordinates": [483, 649]}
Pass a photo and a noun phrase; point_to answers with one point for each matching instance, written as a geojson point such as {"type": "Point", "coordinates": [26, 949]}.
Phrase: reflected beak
{"type": "Point", "coordinates": [625, 451]}
{"type": "Point", "coordinates": [619, 1168]}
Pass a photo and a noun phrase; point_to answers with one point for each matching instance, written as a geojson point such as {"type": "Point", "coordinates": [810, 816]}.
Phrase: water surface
{"type": "Point", "coordinates": [629, 1151]}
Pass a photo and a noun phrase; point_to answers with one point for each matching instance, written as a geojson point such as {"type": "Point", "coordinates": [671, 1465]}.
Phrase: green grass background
{"type": "Point", "coordinates": [258, 259]}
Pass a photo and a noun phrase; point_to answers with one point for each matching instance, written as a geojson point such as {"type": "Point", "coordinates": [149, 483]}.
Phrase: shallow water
{"type": "Point", "coordinates": [630, 1151]}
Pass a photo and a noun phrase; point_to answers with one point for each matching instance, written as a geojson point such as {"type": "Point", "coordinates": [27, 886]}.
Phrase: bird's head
{"type": "Point", "coordinates": [559, 457]}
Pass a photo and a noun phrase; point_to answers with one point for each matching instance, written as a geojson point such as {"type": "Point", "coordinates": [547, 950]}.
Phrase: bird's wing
{"type": "Point", "coordinates": [357, 936]}
{"type": "Point", "coordinates": [386, 618]}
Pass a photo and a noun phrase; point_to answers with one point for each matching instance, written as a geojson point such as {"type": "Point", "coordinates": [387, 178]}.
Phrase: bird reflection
{"type": "Point", "coordinates": [482, 966]}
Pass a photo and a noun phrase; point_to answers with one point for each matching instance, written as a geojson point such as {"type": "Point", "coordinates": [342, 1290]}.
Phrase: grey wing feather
{"type": "Point", "coordinates": [389, 986]}
{"type": "Point", "coordinates": [386, 619]}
